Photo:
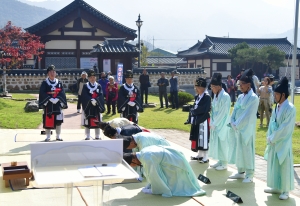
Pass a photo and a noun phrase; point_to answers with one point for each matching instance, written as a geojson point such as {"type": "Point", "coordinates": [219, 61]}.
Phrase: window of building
{"type": "Point", "coordinates": [221, 66]}
{"type": "Point", "coordinates": [191, 65]}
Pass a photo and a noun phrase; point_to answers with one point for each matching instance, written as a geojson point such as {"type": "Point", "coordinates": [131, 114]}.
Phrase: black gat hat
{"type": "Point", "coordinates": [200, 82]}
{"type": "Point", "coordinates": [216, 79]}
{"type": "Point", "coordinates": [128, 74]}
{"type": "Point", "coordinates": [282, 86]}
{"type": "Point", "coordinates": [247, 76]}
{"type": "Point", "coordinates": [50, 68]}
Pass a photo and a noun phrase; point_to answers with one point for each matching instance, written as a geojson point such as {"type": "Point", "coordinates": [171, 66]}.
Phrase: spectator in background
{"type": "Point", "coordinates": [108, 74]}
{"type": "Point", "coordinates": [231, 89]}
{"type": "Point", "coordinates": [174, 90]}
{"type": "Point", "coordinates": [237, 81]}
{"type": "Point", "coordinates": [265, 103]}
{"type": "Point", "coordinates": [144, 84]}
{"type": "Point", "coordinates": [103, 82]}
{"type": "Point", "coordinates": [111, 95]}
{"type": "Point", "coordinates": [162, 84]}
{"type": "Point", "coordinates": [80, 82]}
{"type": "Point", "coordinates": [256, 82]}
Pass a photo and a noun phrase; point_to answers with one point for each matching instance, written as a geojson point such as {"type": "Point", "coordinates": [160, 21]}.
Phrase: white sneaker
{"type": "Point", "coordinates": [272, 191]}
{"type": "Point", "coordinates": [216, 165]}
{"type": "Point", "coordinates": [248, 180]}
{"type": "Point", "coordinates": [87, 137]}
{"type": "Point", "coordinates": [47, 139]}
{"type": "Point", "coordinates": [221, 167]}
{"type": "Point", "coordinates": [284, 196]}
{"type": "Point", "coordinates": [237, 176]}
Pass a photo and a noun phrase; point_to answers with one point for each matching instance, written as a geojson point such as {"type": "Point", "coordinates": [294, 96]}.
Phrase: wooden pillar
{"type": "Point", "coordinates": [78, 53]}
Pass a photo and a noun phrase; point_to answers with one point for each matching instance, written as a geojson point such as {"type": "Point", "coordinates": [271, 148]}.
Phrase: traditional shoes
{"type": "Point", "coordinates": [196, 158]}
{"type": "Point", "coordinates": [221, 167]}
{"type": "Point", "coordinates": [203, 161]}
{"type": "Point", "coordinates": [237, 176]}
{"type": "Point", "coordinates": [282, 196]}
{"type": "Point", "coordinates": [248, 180]}
{"type": "Point", "coordinates": [216, 165]}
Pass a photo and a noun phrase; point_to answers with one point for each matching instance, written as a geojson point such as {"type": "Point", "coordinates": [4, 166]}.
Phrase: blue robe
{"type": "Point", "coordinates": [168, 172]}
{"type": "Point", "coordinates": [145, 139]}
{"type": "Point", "coordinates": [244, 117]}
{"type": "Point", "coordinates": [220, 116]}
{"type": "Point", "coordinates": [279, 149]}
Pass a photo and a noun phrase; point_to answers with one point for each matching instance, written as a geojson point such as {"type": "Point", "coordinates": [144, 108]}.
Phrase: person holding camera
{"type": "Point", "coordinates": [111, 95]}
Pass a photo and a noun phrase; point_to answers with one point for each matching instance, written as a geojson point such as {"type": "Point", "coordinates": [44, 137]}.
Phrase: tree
{"type": "Point", "coordinates": [233, 52]}
{"type": "Point", "coordinates": [272, 57]}
{"type": "Point", "coordinates": [247, 56]}
{"type": "Point", "coordinates": [144, 55]}
{"type": "Point", "coordinates": [16, 46]}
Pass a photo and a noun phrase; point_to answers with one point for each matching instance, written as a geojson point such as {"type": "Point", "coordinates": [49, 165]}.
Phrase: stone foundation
{"type": "Point", "coordinates": [32, 82]}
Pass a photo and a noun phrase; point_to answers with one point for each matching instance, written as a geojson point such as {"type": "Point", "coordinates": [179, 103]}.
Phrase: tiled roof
{"type": "Point", "coordinates": [73, 6]}
{"type": "Point", "coordinates": [164, 60]}
{"type": "Point", "coordinates": [220, 46]}
{"type": "Point", "coordinates": [115, 45]}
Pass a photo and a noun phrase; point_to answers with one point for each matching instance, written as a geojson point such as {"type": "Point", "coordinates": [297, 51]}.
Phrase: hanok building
{"type": "Point", "coordinates": [212, 54]}
{"type": "Point", "coordinates": [163, 58]}
{"type": "Point", "coordinates": [70, 34]}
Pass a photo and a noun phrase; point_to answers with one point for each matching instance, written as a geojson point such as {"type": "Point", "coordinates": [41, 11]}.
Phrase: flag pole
{"type": "Point", "coordinates": [294, 52]}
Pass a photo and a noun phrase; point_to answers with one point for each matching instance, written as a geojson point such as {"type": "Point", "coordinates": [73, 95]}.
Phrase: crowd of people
{"type": "Point", "coordinates": [214, 132]}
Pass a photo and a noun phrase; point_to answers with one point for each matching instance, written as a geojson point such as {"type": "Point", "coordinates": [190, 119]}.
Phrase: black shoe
{"type": "Point", "coordinates": [161, 107]}
{"type": "Point", "coordinates": [59, 139]}
{"type": "Point", "coordinates": [186, 122]}
{"type": "Point", "coordinates": [173, 107]}
{"type": "Point", "coordinates": [196, 158]}
{"type": "Point", "coordinates": [203, 162]}
{"type": "Point", "coordinates": [107, 112]}
{"type": "Point", "coordinates": [113, 113]}
{"type": "Point", "coordinates": [177, 108]}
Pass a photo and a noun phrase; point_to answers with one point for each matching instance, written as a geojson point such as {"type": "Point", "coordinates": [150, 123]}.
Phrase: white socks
{"type": "Point", "coordinates": [205, 155]}
{"type": "Point", "coordinates": [58, 131]}
{"type": "Point", "coordinates": [48, 134]}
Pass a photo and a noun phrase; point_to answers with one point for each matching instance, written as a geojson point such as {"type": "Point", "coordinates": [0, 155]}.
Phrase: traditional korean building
{"type": "Point", "coordinates": [70, 34]}
{"type": "Point", "coordinates": [212, 54]}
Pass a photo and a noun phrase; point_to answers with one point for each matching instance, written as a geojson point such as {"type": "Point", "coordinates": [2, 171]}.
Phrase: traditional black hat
{"type": "Point", "coordinates": [128, 157]}
{"type": "Point", "coordinates": [128, 74]}
{"type": "Point", "coordinates": [109, 131]}
{"type": "Point", "coordinates": [126, 141]}
{"type": "Point", "coordinates": [282, 86]}
{"type": "Point", "coordinates": [91, 72]}
{"type": "Point", "coordinates": [50, 68]}
{"type": "Point", "coordinates": [200, 82]}
{"type": "Point", "coordinates": [102, 125]}
{"type": "Point", "coordinates": [216, 79]}
{"type": "Point", "coordinates": [247, 76]}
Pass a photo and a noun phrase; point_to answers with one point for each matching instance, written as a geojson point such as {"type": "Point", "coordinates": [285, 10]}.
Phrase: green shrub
{"type": "Point", "coordinates": [183, 98]}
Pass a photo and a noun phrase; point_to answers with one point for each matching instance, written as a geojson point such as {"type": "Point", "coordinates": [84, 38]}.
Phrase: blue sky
{"type": "Point", "coordinates": [178, 24]}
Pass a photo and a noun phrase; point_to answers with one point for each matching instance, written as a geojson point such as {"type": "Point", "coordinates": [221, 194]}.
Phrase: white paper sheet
{"type": "Point", "coordinates": [89, 171]}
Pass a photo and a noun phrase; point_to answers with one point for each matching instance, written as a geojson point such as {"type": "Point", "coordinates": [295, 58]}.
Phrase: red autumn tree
{"type": "Point", "coordinates": [16, 46]}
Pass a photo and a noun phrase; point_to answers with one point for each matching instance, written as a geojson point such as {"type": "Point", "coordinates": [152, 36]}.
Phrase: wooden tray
{"type": "Point", "coordinates": [16, 170]}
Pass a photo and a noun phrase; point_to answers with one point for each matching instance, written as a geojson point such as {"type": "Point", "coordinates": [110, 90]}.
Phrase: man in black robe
{"type": "Point", "coordinates": [129, 100]}
{"type": "Point", "coordinates": [92, 104]}
{"type": "Point", "coordinates": [199, 118]}
{"type": "Point", "coordinates": [52, 99]}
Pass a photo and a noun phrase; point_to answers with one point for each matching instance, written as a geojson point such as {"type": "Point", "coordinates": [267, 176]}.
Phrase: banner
{"type": "Point", "coordinates": [88, 63]}
{"type": "Point", "coordinates": [106, 65]}
{"type": "Point", "coordinates": [120, 73]}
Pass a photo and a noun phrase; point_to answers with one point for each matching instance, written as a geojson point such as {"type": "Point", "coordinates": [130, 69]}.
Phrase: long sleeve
{"type": "Point", "coordinates": [222, 114]}
{"type": "Point", "coordinates": [205, 106]}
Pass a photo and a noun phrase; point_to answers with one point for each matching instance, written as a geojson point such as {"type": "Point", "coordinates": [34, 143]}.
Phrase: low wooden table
{"type": "Point", "coordinates": [21, 170]}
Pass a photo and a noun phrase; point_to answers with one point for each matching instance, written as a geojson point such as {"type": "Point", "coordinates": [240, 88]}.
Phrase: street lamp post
{"type": "Point", "coordinates": [139, 23]}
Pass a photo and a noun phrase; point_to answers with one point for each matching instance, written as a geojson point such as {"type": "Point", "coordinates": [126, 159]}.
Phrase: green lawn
{"type": "Point", "coordinates": [12, 115]}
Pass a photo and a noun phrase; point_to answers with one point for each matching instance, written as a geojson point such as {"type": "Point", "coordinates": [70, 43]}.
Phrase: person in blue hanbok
{"type": "Point", "coordinates": [167, 171]}
{"type": "Point", "coordinates": [279, 154]}
{"type": "Point", "coordinates": [243, 123]}
{"type": "Point", "coordinates": [220, 115]}
{"type": "Point", "coordinates": [143, 139]}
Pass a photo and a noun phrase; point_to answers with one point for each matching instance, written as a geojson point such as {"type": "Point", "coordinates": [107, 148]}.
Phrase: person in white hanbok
{"type": "Point", "coordinates": [243, 123]}
{"type": "Point", "coordinates": [220, 115]}
{"type": "Point", "coordinates": [279, 154]}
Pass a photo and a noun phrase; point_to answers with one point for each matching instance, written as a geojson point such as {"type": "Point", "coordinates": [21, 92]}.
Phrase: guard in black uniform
{"type": "Point", "coordinates": [129, 100]}
{"type": "Point", "coordinates": [52, 99]}
{"type": "Point", "coordinates": [92, 104]}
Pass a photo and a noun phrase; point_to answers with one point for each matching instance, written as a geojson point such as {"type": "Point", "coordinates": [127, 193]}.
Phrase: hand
{"type": "Point", "coordinates": [269, 140]}
{"type": "Point", "coordinates": [123, 109]}
{"type": "Point", "coordinates": [131, 104]}
{"type": "Point", "coordinates": [94, 102]}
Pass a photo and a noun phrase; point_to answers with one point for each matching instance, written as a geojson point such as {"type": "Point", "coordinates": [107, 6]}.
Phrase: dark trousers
{"type": "Point", "coordinates": [144, 90]}
{"type": "Point", "coordinates": [111, 103]}
{"type": "Point", "coordinates": [161, 95]}
{"type": "Point", "coordinates": [174, 99]}
{"type": "Point", "coordinates": [79, 102]}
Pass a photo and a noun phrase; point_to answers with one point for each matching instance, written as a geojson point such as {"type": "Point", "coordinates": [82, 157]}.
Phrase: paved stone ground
{"type": "Point", "coordinates": [182, 138]}
{"type": "Point", "coordinates": [72, 120]}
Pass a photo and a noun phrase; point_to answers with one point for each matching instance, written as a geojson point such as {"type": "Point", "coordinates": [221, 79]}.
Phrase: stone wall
{"type": "Point", "coordinates": [32, 82]}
